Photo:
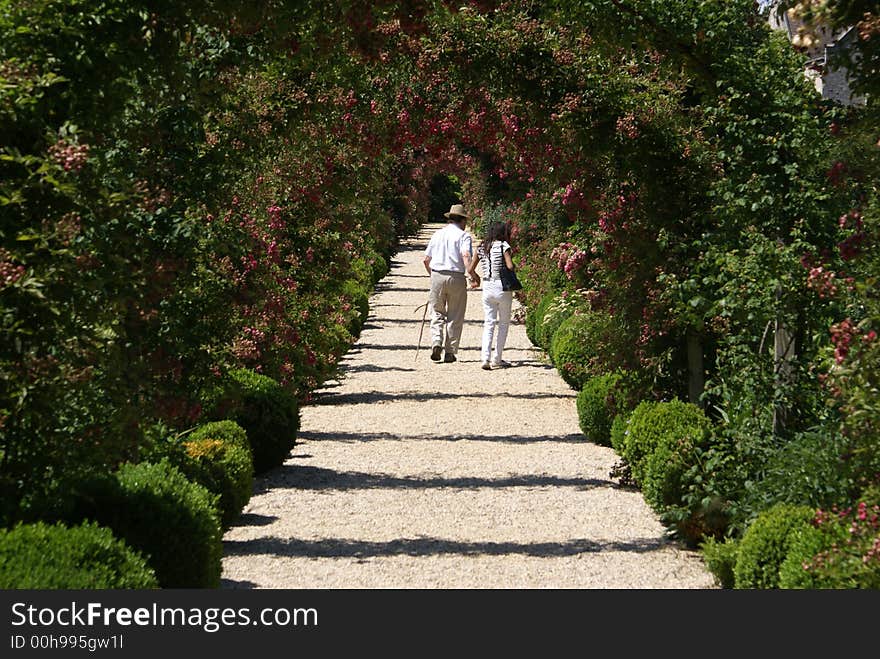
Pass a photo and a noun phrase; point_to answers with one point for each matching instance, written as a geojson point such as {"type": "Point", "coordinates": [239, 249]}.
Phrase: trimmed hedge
{"type": "Point", "coordinates": [216, 455]}
{"type": "Point", "coordinates": [268, 414]}
{"type": "Point", "coordinates": [358, 297]}
{"type": "Point", "coordinates": [805, 544]}
{"type": "Point", "coordinates": [548, 322]}
{"type": "Point", "coordinates": [655, 426]}
{"type": "Point", "coordinates": [720, 558]}
{"type": "Point", "coordinates": [839, 550]}
{"type": "Point", "coordinates": [664, 478]}
{"type": "Point", "coordinates": [172, 521]}
{"type": "Point", "coordinates": [618, 433]}
{"type": "Point", "coordinates": [220, 460]}
{"type": "Point", "coordinates": [575, 346]}
{"type": "Point", "coordinates": [596, 407]}
{"type": "Point", "coordinates": [535, 316]}
{"type": "Point", "coordinates": [663, 444]}
{"type": "Point", "coordinates": [381, 267]}
{"type": "Point", "coordinates": [601, 400]}
{"type": "Point", "coordinates": [766, 544]}
{"type": "Point", "coordinates": [88, 557]}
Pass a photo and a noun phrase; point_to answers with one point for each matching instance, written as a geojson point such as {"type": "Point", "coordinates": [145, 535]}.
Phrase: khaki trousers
{"type": "Point", "coordinates": [448, 303]}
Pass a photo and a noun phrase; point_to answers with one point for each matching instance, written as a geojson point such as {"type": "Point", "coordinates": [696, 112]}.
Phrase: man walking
{"type": "Point", "coordinates": [447, 258]}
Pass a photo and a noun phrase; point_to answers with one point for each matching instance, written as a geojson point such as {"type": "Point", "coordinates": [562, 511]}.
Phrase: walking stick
{"type": "Point", "coordinates": [422, 329]}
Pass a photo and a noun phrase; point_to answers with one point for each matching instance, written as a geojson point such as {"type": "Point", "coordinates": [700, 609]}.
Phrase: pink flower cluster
{"type": "Point", "coordinates": [569, 258]}
{"type": "Point", "coordinates": [842, 337]}
{"type": "Point", "coordinates": [72, 157]}
{"type": "Point", "coordinates": [10, 272]}
{"type": "Point", "coordinates": [276, 222]}
{"type": "Point", "coordinates": [851, 246]}
{"type": "Point", "coordinates": [627, 126]}
{"type": "Point", "coordinates": [822, 281]}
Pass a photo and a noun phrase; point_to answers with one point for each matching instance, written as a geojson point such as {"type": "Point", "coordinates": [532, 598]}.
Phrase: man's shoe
{"type": "Point", "coordinates": [435, 353]}
{"type": "Point", "coordinates": [501, 364]}
{"type": "Point", "coordinates": [449, 358]}
{"type": "Point", "coordinates": [486, 366]}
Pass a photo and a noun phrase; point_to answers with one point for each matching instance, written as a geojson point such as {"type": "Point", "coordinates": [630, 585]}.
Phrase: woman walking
{"type": "Point", "coordinates": [493, 252]}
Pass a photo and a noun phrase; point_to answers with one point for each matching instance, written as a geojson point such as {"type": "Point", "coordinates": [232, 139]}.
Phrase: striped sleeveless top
{"type": "Point", "coordinates": [492, 264]}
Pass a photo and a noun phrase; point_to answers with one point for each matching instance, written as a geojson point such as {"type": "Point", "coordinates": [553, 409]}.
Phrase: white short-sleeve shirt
{"type": "Point", "coordinates": [446, 247]}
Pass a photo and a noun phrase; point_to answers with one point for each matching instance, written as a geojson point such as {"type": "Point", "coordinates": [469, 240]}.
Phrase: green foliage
{"type": "Point", "coordinates": [215, 455]}
{"type": "Point", "coordinates": [840, 549]}
{"type": "Point", "coordinates": [602, 399]}
{"type": "Point", "coordinates": [173, 522]}
{"type": "Point", "coordinates": [556, 312]}
{"type": "Point", "coordinates": [667, 446]}
{"type": "Point", "coordinates": [86, 557]}
{"type": "Point", "coordinates": [581, 346]}
{"type": "Point", "coordinates": [664, 427]}
{"type": "Point", "coordinates": [535, 317]}
{"type": "Point", "coordinates": [268, 414]}
{"type": "Point", "coordinates": [221, 461]}
{"type": "Point", "coordinates": [150, 233]}
{"type": "Point", "coordinates": [720, 558]}
{"type": "Point", "coordinates": [812, 469]}
{"type": "Point", "coordinates": [355, 295]}
{"type": "Point", "coordinates": [766, 545]}
{"type": "Point", "coordinates": [618, 431]}
{"type": "Point", "coordinates": [597, 406]}
{"type": "Point", "coordinates": [797, 570]}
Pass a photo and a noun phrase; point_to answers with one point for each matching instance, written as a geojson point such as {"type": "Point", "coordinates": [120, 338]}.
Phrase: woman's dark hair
{"type": "Point", "coordinates": [495, 231]}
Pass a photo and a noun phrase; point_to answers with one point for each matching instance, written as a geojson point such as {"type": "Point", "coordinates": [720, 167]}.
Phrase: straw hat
{"type": "Point", "coordinates": [458, 211]}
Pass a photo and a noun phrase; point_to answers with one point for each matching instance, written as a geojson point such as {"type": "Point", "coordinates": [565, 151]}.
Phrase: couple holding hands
{"type": "Point", "coordinates": [448, 257]}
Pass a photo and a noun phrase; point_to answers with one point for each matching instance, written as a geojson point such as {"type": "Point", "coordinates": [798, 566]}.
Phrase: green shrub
{"type": "Point", "coordinates": [665, 444]}
{"type": "Point", "coordinates": [601, 400]}
{"type": "Point", "coordinates": [220, 460]}
{"type": "Point", "coordinates": [217, 456]}
{"type": "Point", "coordinates": [618, 432]}
{"type": "Point", "coordinates": [766, 544]}
{"type": "Point", "coordinates": [577, 346]}
{"type": "Point", "coordinates": [810, 469]}
{"type": "Point", "coordinates": [534, 318]}
{"type": "Point", "coordinates": [554, 314]}
{"type": "Point", "coordinates": [674, 454]}
{"type": "Point", "coordinates": [665, 427]}
{"type": "Point", "coordinates": [39, 556]}
{"type": "Point", "coordinates": [172, 521]}
{"type": "Point", "coordinates": [840, 549]}
{"type": "Point", "coordinates": [797, 570]}
{"type": "Point", "coordinates": [597, 406]}
{"type": "Point", "coordinates": [359, 299]}
{"type": "Point", "coordinates": [268, 414]}
{"type": "Point", "coordinates": [720, 558]}
{"type": "Point", "coordinates": [381, 267]}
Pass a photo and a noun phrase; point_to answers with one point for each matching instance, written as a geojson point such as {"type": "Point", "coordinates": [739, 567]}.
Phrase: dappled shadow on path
{"type": "Point", "coordinates": [573, 438]}
{"type": "Point", "coordinates": [253, 519]}
{"type": "Point", "coordinates": [232, 584]}
{"type": "Point", "coordinates": [410, 321]}
{"type": "Point", "coordinates": [383, 286]}
{"type": "Point", "coordinates": [318, 478]}
{"type": "Point", "coordinates": [343, 548]}
{"type": "Point", "coordinates": [372, 368]}
{"type": "Point", "coordinates": [367, 397]}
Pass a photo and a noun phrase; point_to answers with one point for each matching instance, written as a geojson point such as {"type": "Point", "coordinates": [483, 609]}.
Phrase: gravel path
{"type": "Point", "coordinates": [411, 474]}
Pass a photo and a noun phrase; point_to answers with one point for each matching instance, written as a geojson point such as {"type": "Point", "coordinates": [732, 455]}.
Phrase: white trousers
{"type": "Point", "coordinates": [496, 317]}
